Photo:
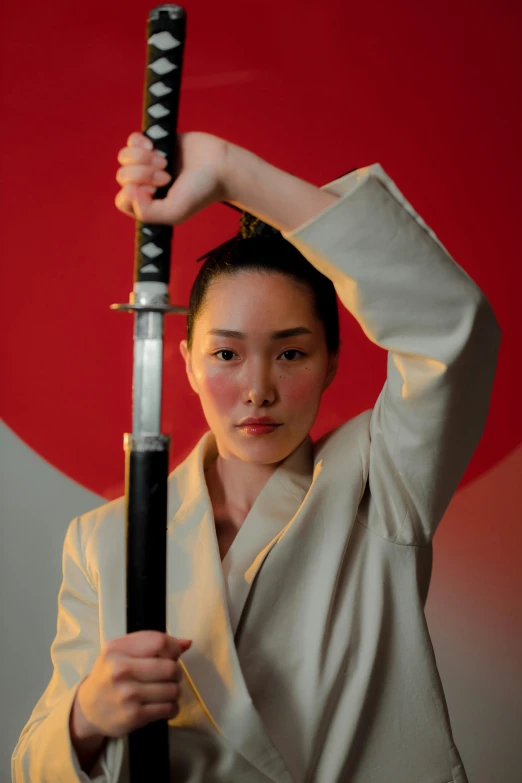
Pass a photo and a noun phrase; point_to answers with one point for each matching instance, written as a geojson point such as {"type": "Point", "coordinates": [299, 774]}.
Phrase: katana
{"type": "Point", "coordinates": [146, 448]}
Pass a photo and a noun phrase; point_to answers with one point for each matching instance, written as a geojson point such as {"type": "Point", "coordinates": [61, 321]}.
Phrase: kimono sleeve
{"type": "Point", "coordinates": [44, 751]}
{"type": "Point", "coordinates": [413, 300]}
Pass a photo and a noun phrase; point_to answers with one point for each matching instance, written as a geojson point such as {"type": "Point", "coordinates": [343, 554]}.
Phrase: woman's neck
{"type": "Point", "coordinates": [234, 485]}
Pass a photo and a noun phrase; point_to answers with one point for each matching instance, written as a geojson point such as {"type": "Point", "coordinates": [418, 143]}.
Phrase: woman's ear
{"type": "Point", "coordinates": [183, 347]}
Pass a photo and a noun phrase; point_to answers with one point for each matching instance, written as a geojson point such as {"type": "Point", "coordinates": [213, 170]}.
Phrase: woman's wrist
{"type": "Point", "coordinates": [87, 741]}
{"type": "Point", "coordinates": [275, 196]}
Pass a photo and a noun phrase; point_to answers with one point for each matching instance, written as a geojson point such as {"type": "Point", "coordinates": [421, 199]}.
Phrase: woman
{"type": "Point", "coordinates": [297, 572]}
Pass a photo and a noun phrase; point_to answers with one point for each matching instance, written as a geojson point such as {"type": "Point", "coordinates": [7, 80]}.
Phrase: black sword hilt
{"type": "Point", "coordinates": [166, 29]}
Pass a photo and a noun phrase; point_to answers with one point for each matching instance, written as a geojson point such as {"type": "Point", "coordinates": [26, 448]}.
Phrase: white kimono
{"type": "Point", "coordinates": [311, 660]}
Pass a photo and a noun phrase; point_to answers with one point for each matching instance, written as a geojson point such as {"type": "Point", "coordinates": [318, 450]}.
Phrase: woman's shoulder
{"type": "Point", "coordinates": [100, 533]}
{"type": "Point", "coordinates": [108, 513]}
{"type": "Point", "coordinates": [353, 434]}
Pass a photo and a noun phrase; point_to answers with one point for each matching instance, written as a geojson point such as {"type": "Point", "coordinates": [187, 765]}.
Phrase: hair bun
{"type": "Point", "coordinates": [252, 226]}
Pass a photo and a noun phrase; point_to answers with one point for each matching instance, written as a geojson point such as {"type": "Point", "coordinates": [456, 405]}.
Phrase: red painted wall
{"type": "Point", "coordinates": [430, 92]}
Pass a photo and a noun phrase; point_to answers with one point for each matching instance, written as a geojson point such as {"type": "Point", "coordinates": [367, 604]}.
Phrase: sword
{"type": "Point", "coordinates": [146, 448]}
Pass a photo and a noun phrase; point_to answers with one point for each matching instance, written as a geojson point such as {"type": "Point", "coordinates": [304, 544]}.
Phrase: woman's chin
{"type": "Point", "coordinates": [263, 450]}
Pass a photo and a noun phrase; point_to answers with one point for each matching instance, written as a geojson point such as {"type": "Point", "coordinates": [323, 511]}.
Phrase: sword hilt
{"type": "Point", "coordinates": [166, 29]}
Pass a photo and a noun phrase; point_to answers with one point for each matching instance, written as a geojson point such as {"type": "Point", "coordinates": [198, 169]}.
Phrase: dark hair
{"type": "Point", "coordinates": [261, 248]}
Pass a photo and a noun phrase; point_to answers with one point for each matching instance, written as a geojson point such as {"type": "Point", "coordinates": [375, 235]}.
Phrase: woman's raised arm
{"type": "Point", "coordinates": [413, 300]}
{"type": "Point", "coordinates": [405, 290]}
{"type": "Point", "coordinates": [211, 169]}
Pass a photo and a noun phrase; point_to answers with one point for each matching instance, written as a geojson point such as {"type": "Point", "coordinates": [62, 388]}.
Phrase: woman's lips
{"type": "Point", "coordinates": [258, 429]}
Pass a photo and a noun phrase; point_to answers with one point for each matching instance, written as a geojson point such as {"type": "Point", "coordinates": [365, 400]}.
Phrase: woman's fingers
{"type": "Point", "coordinates": [146, 209]}
{"type": "Point", "coordinates": [156, 669]}
{"type": "Point", "coordinates": [139, 140]}
{"type": "Point", "coordinates": [151, 693]}
{"type": "Point", "coordinates": [154, 644]}
{"type": "Point", "coordinates": [141, 172]}
{"type": "Point", "coordinates": [142, 175]}
{"type": "Point", "coordinates": [128, 194]}
{"type": "Point", "coordinates": [191, 192]}
{"type": "Point", "coordinates": [134, 155]}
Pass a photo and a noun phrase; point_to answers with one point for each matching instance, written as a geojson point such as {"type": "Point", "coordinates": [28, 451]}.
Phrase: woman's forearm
{"type": "Point", "coordinates": [275, 196]}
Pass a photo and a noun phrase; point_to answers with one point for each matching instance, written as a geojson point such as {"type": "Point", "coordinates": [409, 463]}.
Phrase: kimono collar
{"type": "Point", "coordinates": [206, 597]}
{"type": "Point", "coordinates": [187, 485]}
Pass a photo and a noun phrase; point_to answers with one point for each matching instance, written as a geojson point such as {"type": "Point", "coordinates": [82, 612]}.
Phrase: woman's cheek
{"type": "Point", "coordinates": [303, 387]}
{"type": "Point", "coordinates": [221, 389]}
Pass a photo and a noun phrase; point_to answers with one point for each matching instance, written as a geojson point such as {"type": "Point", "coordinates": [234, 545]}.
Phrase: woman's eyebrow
{"type": "Point", "coordinates": [280, 335]}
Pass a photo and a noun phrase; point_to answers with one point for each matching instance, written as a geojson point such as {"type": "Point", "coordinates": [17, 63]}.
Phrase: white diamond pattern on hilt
{"type": "Point", "coordinates": [158, 111]}
{"type": "Point", "coordinates": [164, 41]}
{"type": "Point", "coordinates": [159, 89]}
{"type": "Point", "coordinates": [147, 231]}
{"type": "Point", "coordinates": [156, 132]}
{"type": "Point", "coordinates": [151, 250]}
{"type": "Point", "coordinates": [149, 268]}
{"type": "Point", "coordinates": [162, 66]}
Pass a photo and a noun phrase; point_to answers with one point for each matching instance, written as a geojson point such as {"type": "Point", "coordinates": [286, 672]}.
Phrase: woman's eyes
{"type": "Point", "coordinates": [232, 353]}
{"type": "Point", "coordinates": [293, 350]}
{"type": "Point", "coordinates": [222, 351]}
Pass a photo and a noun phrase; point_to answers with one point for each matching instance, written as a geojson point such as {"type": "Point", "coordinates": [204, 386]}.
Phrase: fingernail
{"type": "Point", "coordinates": [148, 144]}
{"type": "Point", "coordinates": [161, 178]}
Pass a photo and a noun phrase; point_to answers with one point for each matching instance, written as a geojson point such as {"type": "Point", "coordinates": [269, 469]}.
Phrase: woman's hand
{"type": "Point", "coordinates": [200, 163]}
{"type": "Point", "coordinates": [134, 681]}
{"type": "Point", "coordinates": [212, 169]}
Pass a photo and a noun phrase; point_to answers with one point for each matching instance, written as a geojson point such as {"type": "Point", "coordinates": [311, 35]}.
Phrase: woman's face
{"type": "Point", "coordinates": [241, 367]}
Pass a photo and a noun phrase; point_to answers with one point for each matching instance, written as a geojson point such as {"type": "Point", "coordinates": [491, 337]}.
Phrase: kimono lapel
{"type": "Point", "coordinates": [272, 512]}
{"type": "Point", "coordinates": [200, 590]}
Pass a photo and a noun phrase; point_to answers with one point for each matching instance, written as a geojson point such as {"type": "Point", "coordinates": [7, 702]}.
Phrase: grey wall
{"type": "Point", "coordinates": [37, 502]}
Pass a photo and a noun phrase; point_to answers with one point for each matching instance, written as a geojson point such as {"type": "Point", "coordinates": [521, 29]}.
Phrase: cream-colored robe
{"type": "Point", "coordinates": [311, 659]}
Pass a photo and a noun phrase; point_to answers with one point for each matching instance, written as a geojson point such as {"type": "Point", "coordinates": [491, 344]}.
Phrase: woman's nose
{"type": "Point", "coordinates": [261, 388]}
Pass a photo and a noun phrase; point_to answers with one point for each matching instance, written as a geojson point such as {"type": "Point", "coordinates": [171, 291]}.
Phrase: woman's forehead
{"type": "Point", "coordinates": [252, 302]}
{"type": "Point", "coordinates": [257, 287]}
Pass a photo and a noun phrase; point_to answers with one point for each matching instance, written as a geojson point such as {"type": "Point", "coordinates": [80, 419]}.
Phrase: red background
{"type": "Point", "coordinates": [432, 93]}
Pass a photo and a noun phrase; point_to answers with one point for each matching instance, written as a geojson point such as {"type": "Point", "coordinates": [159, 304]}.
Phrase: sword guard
{"type": "Point", "coordinates": [156, 307]}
